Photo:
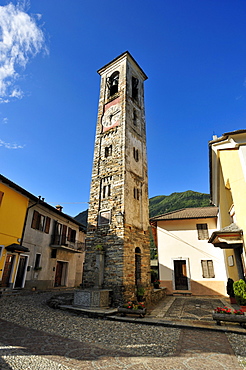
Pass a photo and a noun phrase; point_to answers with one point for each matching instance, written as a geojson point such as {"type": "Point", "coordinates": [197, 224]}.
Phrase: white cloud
{"type": "Point", "coordinates": [10, 146]}
{"type": "Point", "coordinates": [5, 120]}
{"type": "Point", "coordinates": [20, 40]}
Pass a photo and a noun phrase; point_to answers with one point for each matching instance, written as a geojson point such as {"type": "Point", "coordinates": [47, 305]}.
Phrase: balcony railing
{"type": "Point", "coordinates": [60, 241]}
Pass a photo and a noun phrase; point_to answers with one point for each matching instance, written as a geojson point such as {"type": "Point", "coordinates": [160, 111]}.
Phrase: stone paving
{"type": "Point", "coordinates": [34, 336]}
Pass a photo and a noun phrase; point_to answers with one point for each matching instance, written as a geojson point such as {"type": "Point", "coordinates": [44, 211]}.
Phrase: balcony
{"type": "Point", "coordinates": [61, 241]}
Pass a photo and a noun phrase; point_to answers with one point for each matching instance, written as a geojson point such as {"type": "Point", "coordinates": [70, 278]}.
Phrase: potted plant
{"type": "Point", "coordinates": [239, 288]}
{"type": "Point", "coordinates": [99, 247]}
{"type": "Point", "coordinates": [227, 314]}
{"type": "Point", "coordinates": [133, 308]}
{"type": "Point", "coordinates": [156, 284]}
{"type": "Point", "coordinates": [230, 291]}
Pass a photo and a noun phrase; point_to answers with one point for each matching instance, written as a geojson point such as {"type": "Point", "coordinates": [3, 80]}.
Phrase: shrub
{"type": "Point", "coordinates": [239, 288]}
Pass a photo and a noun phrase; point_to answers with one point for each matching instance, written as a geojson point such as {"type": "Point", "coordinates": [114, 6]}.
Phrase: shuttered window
{"type": "Point", "coordinates": [207, 269]}
{"type": "Point", "coordinates": [40, 222]}
{"type": "Point", "coordinates": [202, 230]}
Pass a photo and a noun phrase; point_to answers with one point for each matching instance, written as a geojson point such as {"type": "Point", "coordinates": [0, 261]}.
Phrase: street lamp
{"type": "Point", "coordinates": [119, 217]}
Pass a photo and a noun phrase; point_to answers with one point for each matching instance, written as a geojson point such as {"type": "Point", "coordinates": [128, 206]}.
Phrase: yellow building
{"type": "Point", "coordinates": [228, 192]}
{"type": "Point", "coordinates": [13, 256]}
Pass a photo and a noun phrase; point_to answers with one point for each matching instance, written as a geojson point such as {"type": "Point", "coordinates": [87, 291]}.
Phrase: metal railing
{"type": "Point", "coordinates": [63, 242]}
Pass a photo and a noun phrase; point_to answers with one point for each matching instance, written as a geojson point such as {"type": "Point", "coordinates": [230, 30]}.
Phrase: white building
{"type": "Point", "coordinates": [187, 262]}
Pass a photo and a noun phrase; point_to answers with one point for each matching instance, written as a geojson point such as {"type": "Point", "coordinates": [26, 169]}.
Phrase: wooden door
{"type": "Point", "coordinates": [7, 270]}
{"type": "Point", "coordinates": [20, 272]}
{"type": "Point", "coordinates": [58, 277]}
{"type": "Point", "coordinates": [180, 275]}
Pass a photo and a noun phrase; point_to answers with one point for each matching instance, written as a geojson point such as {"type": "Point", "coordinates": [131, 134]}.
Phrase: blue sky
{"type": "Point", "coordinates": [194, 53]}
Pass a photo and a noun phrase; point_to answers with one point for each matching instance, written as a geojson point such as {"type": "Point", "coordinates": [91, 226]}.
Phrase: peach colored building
{"type": "Point", "coordinates": [187, 262]}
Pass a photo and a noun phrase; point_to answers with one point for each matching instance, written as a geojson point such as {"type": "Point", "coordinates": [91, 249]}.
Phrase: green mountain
{"type": "Point", "coordinates": [168, 203]}
{"type": "Point", "coordinates": [82, 217]}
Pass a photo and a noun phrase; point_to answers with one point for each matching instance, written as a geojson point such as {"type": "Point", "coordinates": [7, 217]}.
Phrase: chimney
{"type": "Point", "coordinates": [59, 208]}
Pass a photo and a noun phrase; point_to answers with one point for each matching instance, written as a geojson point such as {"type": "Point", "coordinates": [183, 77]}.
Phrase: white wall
{"type": "Point", "coordinates": [178, 239]}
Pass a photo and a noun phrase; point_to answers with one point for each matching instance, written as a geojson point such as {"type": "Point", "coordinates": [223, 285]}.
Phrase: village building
{"type": "Point", "coordinates": [228, 192]}
{"type": "Point", "coordinates": [40, 246]}
{"type": "Point", "coordinates": [188, 264]}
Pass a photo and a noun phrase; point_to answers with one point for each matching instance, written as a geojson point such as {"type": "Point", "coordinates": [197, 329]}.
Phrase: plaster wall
{"type": "Point", "coordinates": [12, 215]}
{"type": "Point", "coordinates": [178, 239]}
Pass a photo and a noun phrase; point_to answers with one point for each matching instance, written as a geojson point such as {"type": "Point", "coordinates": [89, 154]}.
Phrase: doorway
{"type": "Point", "coordinates": [180, 275]}
{"type": "Point", "coordinates": [61, 271]}
{"type": "Point", "coordinates": [20, 276]}
{"type": "Point", "coordinates": [7, 271]}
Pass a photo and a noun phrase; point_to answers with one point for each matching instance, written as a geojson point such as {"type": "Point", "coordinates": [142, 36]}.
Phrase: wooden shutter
{"type": "Point", "coordinates": [202, 230]}
{"type": "Point", "coordinates": [211, 269]}
{"type": "Point", "coordinates": [69, 234]}
{"type": "Point", "coordinates": [1, 196]}
{"type": "Point", "coordinates": [64, 234]}
{"type": "Point", "coordinates": [35, 219]}
{"type": "Point", "coordinates": [47, 225]}
{"type": "Point", "coordinates": [207, 269]}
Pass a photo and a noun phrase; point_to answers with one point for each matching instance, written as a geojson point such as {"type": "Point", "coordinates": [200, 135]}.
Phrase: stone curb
{"type": "Point", "coordinates": [110, 315]}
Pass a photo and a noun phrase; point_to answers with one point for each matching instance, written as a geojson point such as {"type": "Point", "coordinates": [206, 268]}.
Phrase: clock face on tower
{"type": "Point", "coordinates": [111, 116]}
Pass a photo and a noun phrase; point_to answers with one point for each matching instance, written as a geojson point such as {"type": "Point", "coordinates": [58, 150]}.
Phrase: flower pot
{"type": "Point", "coordinates": [129, 311]}
{"type": "Point", "coordinates": [218, 317]}
{"type": "Point", "coordinates": [243, 308]}
{"type": "Point", "coordinates": [156, 286]}
{"type": "Point", "coordinates": [233, 300]}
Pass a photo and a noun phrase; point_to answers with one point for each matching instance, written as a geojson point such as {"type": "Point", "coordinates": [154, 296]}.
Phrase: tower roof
{"type": "Point", "coordinates": [121, 56]}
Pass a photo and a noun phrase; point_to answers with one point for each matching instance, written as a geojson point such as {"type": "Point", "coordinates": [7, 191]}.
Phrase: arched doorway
{"type": "Point", "coordinates": [137, 266]}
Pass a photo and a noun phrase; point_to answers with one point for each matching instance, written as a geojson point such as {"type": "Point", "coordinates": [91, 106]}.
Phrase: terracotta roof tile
{"type": "Point", "coordinates": [186, 213]}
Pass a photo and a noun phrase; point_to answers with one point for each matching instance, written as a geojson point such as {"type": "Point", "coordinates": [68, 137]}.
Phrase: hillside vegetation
{"type": "Point", "coordinates": [166, 203]}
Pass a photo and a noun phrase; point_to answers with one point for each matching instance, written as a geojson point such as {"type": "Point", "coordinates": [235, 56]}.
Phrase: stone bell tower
{"type": "Point", "coordinates": [118, 216]}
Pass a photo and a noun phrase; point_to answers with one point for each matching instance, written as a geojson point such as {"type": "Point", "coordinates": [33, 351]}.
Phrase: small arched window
{"type": "Point", "coordinates": [137, 266]}
{"type": "Point", "coordinates": [113, 83]}
{"type": "Point", "coordinates": [135, 88]}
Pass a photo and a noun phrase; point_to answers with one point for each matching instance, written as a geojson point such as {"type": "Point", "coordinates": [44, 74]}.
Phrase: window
{"type": "Point", "coordinates": [40, 222]}
{"type": "Point", "coordinates": [113, 83]}
{"type": "Point", "coordinates": [134, 88]}
{"type": "Point", "coordinates": [106, 191]}
{"type": "Point", "coordinates": [136, 193]}
{"type": "Point", "coordinates": [71, 236]}
{"type": "Point", "coordinates": [57, 234]}
{"type": "Point", "coordinates": [1, 196]}
{"type": "Point", "coordinates": [108, 151]}
{"type": "Point", "coordinates": [53, 253]}
{"type": "Point", "coordinates": [207, 269]}
{"type": "Point", "coordinates": [202, 230]}
{"type": "Point", "coordinates": [104, 218]}
{"type": "Point", "coordinates": [137, 266]}
{"type": "Point", "coordinates": [135, 154]}
{"type": "Point", "coordinates": [106, 187]}
{"type": "Point", "coordinates": [37, 261]}
{"type": "Point", "coordinates": [135, 117]}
